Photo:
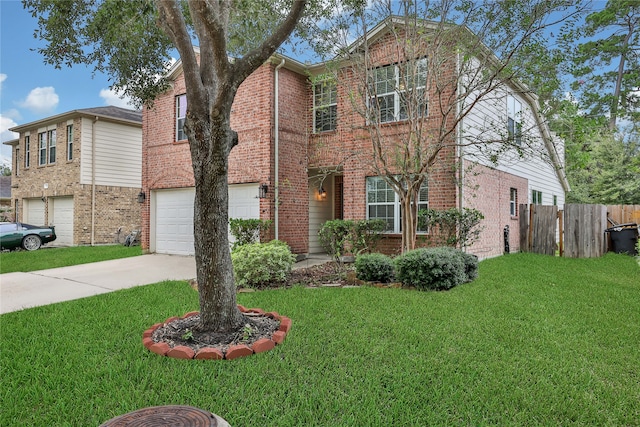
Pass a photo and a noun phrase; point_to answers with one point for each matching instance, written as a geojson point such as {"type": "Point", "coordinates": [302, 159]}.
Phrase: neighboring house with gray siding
{"type": "Point", "coordinates": [80, 171]}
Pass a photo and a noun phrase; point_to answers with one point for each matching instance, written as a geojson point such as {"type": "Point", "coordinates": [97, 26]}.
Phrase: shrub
{"type": "Point", "coordinates": [246, 231]}
{"type": "Point", "coordinates": [262, 264]}
{"type": "Point", "coordinates": [471, 266]}
{"type": "Point", "coordinates": [434, 268]}
{"type": "Point", "coordinates": [374, 268]}
{"type": "Point", "coordinates": [452, 227]}
{"type": "Point", "coordinates": [334, 235]}
{"type": "Point", "coordinates": [341, 235]}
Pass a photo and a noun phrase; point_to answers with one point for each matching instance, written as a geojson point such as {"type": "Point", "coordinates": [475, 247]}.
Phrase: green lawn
{"type": "Point", "coordinates": [61, 257]}
{"type": "Point", "coordinates": [534, 340]}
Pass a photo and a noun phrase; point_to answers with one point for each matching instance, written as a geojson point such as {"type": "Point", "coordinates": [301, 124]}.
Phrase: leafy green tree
{"type": "Point", "coordinates": [6, 171]}
{"type": "Point", "coordinates": [131, 41]}
{"type": "Point", "coordinates": [604, 59]}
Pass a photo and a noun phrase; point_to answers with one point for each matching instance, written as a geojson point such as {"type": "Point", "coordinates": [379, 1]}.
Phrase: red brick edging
{"type": "Point", "coordinates": [235, 351]}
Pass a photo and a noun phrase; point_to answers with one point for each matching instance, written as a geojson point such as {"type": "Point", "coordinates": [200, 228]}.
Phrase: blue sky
{"type": "Point", "coordinates": [31, 90]}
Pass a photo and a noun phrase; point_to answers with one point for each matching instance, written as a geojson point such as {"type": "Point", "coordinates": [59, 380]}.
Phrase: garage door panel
{"type": "Point", "coordinates": [174, 215]}
{"type": "Point", "coordinates": [62, 219]}
{"type": "Point", "coordinates": [33, 212]}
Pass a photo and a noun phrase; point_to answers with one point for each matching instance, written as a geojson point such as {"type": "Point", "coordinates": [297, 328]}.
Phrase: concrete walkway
{"type": "Point", "coordinates": [36, 288]}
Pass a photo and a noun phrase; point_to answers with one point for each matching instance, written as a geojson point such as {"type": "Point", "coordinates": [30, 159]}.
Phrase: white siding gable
{"type": "Point", "coordinates": [118, 154]}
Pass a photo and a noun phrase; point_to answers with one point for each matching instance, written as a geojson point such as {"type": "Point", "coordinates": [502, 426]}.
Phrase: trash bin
{"type": "Point", "coordinates": [624, 238]}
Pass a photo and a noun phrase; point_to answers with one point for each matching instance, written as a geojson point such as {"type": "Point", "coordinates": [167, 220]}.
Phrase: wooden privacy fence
{"type": "Point", "coordinates": [576, 232]}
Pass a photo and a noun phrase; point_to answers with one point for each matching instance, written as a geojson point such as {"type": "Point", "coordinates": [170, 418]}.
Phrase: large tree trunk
{"type": "Point", "coordinates": [216, 285]}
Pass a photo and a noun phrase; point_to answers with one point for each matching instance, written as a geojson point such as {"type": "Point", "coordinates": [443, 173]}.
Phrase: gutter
{"type": "Point", "coordinates": [276, 141]}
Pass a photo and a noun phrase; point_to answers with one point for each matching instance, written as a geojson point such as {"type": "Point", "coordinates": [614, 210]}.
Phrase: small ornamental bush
{"type": "Point", "coordinates": [257, 265]}
{"type": "Point", "coordinates": [374, 268]}
{"type": "Point", "coordinates": [246, 231]}
{"type": "Point", "coordinates": [471, 266]}
{"type": "Point", "coordinates": [432, 268]}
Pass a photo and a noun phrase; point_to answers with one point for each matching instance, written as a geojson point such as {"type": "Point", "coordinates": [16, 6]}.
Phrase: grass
{"type": "Point", "coordinates": [534, 340]}
{"type": "Point", "coordinates": [44, 258]}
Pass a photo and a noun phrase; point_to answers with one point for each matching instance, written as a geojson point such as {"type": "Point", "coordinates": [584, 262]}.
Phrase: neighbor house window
{"type": "Point", "coordinates": [42, 148]}
{"type": "Point", "coordinates": [398, 91]}
{"type": "Point", "coordinates": [555, 200]}
{"type": "Point", "coordinates": [325, 106]}
{"type": "Point", "coordinates": [536, 197]}
{"type": "Point", "coordinates": [513, 202]}
{"type": "Point", "coordinates": [514, 120]}
{"type": "Point", "coordinates": [27, 151]}
{"type": "Point", "coordinates": [16, 168]}
{"type": "Point", "coordinates": [181, 115]}
{"type": "Point", "coordinates": [69, 142]}
{"type": "Point", "coordinates": [383, 203]}
{"type": "Point", "coordinates": [51, 136]}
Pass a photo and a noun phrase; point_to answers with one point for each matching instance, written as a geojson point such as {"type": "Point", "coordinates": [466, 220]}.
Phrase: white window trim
{"type": "Point", "coordinates": [513, 201]}
{"type": "Point", "coordinates": [27, 151]}
{"type": "Point", "coordinates": [396, 92]}
{"type": "Point", "coordinates": [52, 139]}
{"type": "Point", "coordinates": [331, 87]}
{"type": "Point", "coordinates": [396, 205]}
{"type": "Point", "coordinates": [43, 145]}
{"type": "Point", "coordinates": [69, 142]}
{"type": "Point", "coordinates": [179, 129]}
{"type": "Point", "coordinates": [514, 112]}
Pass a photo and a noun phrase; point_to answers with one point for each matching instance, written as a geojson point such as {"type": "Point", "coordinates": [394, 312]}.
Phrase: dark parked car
{"type": "Point", "coordinates": [30, 237]}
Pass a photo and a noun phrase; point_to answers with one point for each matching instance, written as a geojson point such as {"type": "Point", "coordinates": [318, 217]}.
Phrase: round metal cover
{"type": "Point", "coordinates": [171, 415]}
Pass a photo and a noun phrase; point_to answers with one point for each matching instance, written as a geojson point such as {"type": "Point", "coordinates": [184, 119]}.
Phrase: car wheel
{"type": "Point", "coordinates": [31, 242]}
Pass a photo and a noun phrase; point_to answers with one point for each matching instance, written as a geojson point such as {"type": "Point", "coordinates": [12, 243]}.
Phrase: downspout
{"type": "Point", "coordinates": [93, 181]}
{"type": "Point", "coordinates": [459, 137]}
{"type": "Point", "coordinates": [276, 141]}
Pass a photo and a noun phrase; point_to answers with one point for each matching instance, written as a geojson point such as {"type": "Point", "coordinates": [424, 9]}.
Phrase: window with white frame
{"type": "Point", "coordinates": [16, 168]}
{"type": "Point", "coordinates": [398, 91]}
{"type": "Point", "coordinates": [383, 203]}
{"type": "Point", "coordinates": [69, 142]}
{"type": "Point", "coordinates": [514, 120]}
{"type": "Point", "coordinates": [325, 105]}
{"type": "Point", "coordinates": [181, 115]}
{"type": "Point", "coordinates": [42, 148]}
{"type": "Point", "coordinates": [51, 136]}
{"type": "Point", "coordinates": [536, 197]}
{"type": "Point", "coordinates": [513, 202]}
{"type": "Point", "coordinates": [27, 151]}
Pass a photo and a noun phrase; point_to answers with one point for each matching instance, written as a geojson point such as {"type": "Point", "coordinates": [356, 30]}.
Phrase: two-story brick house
{"type": "Point", "coordinates": [297, 139]}
{"type": "Point", "coordinates": [80, 171]}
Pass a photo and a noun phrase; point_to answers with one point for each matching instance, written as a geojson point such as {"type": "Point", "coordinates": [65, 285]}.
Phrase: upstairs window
{"type": "Point", "coordinates": [27, 151]}
{"type": "Point", "coordinates": [51, 136]}
{"type": "Point", "coordinates": [514, 120]}
{"type": "Point", "coordinates": [42, 149]}
{"type": "Point", "coordinates": [69, 142]}
{"type": "Point", "coordinates": [325, 106]}
{"type": "Point", "coordinates": [398, 92]}
{"type": "Point", "coordinates": [181, 115]}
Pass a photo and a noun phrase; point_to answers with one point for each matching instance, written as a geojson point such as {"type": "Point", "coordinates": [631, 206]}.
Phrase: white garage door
{"type": "Point", "coordinates": [61, 215]}
{"type": "Point", "coordinates": [173, 229]}
{"type": "Point", "coordinates": [33, 212]}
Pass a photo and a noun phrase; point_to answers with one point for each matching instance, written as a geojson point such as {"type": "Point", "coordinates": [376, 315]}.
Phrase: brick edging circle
{"type": "Point", "coordinates": [235, 351]}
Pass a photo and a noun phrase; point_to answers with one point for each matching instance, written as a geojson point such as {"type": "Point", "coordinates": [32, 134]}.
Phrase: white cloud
{"type": "Point", "coordinates": [7, 122]}
{"type": "Point", "coordinates": [3, 77]}
{"type": "Point", "coordinates": [41, 100]}
{"type": "Point", "coordinates": [115, 98]}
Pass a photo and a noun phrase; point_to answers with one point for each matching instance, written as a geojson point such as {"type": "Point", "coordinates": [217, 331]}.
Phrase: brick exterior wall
{"type": "Point", "coordinates": [115, 206]}
{"type": "Point", "coordinates": [167, 163]}
{"type": "Point", "coordinates": [488, 190]}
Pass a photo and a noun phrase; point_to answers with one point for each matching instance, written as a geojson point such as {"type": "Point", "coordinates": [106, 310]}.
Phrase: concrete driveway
{"type": "Point", "coordinates": [24, 290]}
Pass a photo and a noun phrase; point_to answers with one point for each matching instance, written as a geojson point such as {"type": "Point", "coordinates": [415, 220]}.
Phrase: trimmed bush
{"type": "Point", "coordinates": [471, 266]}
{"type": "Point", "coordinates": [434, 268]}
{"type": "Point", "coordinates": [374, 268]}
{"type": "Point", "coordinates": [257, 265]}
{"type": "Point", "coordinates": [246, 231]}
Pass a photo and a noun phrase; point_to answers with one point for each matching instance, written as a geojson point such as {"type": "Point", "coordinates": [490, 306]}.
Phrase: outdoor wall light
{"type": "Point", "coordinates": [322, 193]}
{"type": "Point", "coordinates": [262, 191]}
{"type": "Point", "coordinates": [141, 197]}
